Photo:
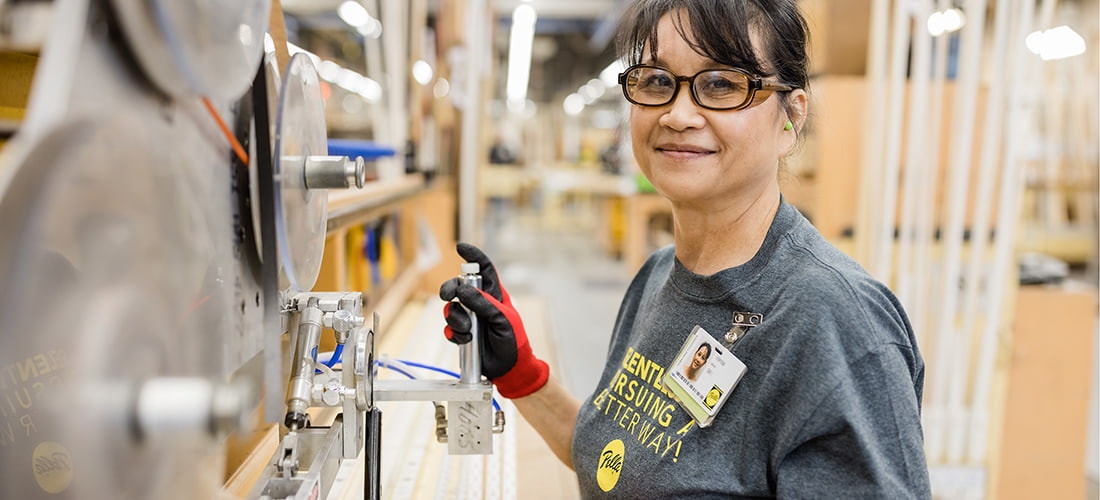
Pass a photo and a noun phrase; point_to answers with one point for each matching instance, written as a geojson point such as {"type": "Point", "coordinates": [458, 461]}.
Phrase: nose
{"type": "Point", "coordinates": [682, 113]}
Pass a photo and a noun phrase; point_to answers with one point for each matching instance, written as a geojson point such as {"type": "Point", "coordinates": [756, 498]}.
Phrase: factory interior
{"type": "Point", "coordinates": [224, 226]}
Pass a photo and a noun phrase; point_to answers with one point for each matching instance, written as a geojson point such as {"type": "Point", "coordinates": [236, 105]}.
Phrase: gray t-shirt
{"type": "Point", "coordinates": [829, 406]}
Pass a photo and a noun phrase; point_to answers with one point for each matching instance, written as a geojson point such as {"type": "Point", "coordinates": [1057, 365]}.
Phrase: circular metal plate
{"type": "Point", "coordinates": [363, 365]}
{"type": "Point", "coordinates": [101, 256]}
{"type": "Point", "coordinates": [209, 47]}
{"type": "Point", "coordinates": [301, 214]}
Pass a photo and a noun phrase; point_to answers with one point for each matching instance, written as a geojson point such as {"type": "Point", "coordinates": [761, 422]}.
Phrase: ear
{"type": "Point", "coordinates": [797, 107]}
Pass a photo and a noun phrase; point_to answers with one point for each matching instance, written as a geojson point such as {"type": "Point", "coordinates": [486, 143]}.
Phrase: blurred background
{"type": "Point", "coordinates": [952, 148]}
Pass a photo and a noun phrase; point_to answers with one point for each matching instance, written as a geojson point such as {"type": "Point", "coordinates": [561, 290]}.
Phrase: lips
{"type": "Point", "coordinates": [681, 148]}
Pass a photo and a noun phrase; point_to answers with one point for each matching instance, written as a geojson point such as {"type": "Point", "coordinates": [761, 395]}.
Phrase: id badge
{"type": "Point", "coordinates": [702, 375]}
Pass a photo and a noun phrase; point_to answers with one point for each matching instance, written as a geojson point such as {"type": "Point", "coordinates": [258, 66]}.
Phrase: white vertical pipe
{"type": "Point", "coordinates": [376, 70]}
{"type": "Point", "coordinates": [916, 159]}
{"type": "Point", "coordinates": [508, 456]}
{"type": "Point", "coordinates": [973, 35]}
{"type": "Point", "coordinates": [966, 87]}
{"type": "Point", "coordinates": [979, 271]}
{"type": "Point", "coordinates": [926, 197]}
{"type": "Point", "coordinates": [1020, 112]}
{"type": "Point", "coordinates": [395, 34]}
{"type": "Point", "coordinates": [881, 260]}
{"type": "Point", "coordinates": [874, 118]}
{"type": "Point", "coordinates": [470, 153]}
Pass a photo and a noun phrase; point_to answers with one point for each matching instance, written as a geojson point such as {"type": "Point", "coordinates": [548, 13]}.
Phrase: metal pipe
{"type": "Point", "coordinates": [299, 394]}
{"type": "Point", "coordinates": [469, 354]}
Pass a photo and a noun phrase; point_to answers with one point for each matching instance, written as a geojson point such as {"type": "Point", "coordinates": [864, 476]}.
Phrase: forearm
{"type": "Point", "coordinates": [552, 411]}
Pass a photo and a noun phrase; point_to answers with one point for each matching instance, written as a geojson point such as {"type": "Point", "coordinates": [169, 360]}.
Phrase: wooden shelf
{"type": "Point", "coordinates": [347, 207]}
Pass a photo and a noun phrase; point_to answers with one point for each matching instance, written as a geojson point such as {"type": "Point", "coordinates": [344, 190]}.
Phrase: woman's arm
{"type": "Point", "coordinates": [552, 411]}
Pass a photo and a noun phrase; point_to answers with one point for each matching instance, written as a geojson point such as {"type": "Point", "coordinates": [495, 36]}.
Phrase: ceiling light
{"type": "Point", "coordinates": [610, 75]}
{"type": "Point", "coordinates": [946, 21]}
{"type": "Point", "coordinates": [519, 55]}
{"type": "Point", "coordinates": [441, 88]}
{"type": "Point", "coordinates": [1056, 43]}
{"type": "Point", "coordinates": [422, 72]}
{"type": "Point", "coordinates": [353, 13]}
{"type": "Point", "coordinates": [573, 104]}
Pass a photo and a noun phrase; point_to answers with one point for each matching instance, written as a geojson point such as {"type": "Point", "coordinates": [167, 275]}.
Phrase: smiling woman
{"type": "Point", "coordinates": [823, 389]}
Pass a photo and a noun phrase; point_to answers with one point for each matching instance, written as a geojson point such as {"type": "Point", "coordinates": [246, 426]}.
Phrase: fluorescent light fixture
{"type": "Point", "coordinates": [610, 75]}
{"type": "Point", "coordinates": [353, 13]}
{"type": "Point", "coordinates": [422, 72]}
{"type": "Point", "coordinates": [1056, 43]}
{"type": "Point", "coordinates": [573, 104]}
{"type": "Point", "coordinates": [519, 55]}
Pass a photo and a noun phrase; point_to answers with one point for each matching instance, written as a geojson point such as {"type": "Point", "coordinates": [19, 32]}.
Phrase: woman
{"type": "Point", "coordinates": [828, 405]}
{"type": "Point", "coordinates": [691, 369]}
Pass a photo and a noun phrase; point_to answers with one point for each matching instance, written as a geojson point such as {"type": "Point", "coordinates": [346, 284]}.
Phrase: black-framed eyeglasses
{"type": "Point", "coordinates": [717, 89]}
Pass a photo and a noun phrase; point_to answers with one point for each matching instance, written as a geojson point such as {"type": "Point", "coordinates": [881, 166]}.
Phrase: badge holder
{"type": "Point", "coordinates": [702, 375]}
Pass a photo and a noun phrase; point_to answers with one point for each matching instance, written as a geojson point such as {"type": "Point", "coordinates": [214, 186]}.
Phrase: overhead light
{"type": "Point", "coordinates": [519, 55]}
{"type": "Point", "coordinates": [946, 21]}
{"type": "Point", "coordinates": [371, 29]}
{"type": "Point", "coordinates": [1055, 43]}
{"type": "Point", "coordinates": [610, 75]}
{"type": "Point", "coordinates": [422, 72]}
{"type": "Point", "coordinates": [353, 13]}
{"type": "Point", "coordinates": [573, 104]}
{"type": "Point", "coordinates": [590, 93]}
{"type": "Point", "coordinates": [441, 88]}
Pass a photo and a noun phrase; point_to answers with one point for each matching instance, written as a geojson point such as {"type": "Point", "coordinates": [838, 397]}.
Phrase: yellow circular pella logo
{"type": "Point", "coordinates": [610, 465]}
{"type": "Point", "coordinates": [712, 397]}
{"type": "Point", "coordinates": [53, 468]}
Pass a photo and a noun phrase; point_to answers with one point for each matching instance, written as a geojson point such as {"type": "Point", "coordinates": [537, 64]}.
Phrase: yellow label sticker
{"type": "Point", "coordinates": [713, 396]}
{"type": "Point", "coordinates": [52, 467]}
{"type": "Point", "coordinates": [610, 465]}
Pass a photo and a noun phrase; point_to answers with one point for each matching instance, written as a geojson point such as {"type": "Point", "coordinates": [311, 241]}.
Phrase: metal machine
{"type": "Point", "coordinates": [163, 208]}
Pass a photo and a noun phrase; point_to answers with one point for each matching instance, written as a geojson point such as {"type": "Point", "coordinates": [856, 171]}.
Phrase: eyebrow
{"type": "Point", "coordinates": [662, 63]}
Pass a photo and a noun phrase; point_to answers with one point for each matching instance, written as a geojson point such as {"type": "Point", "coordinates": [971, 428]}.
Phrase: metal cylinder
{"type": "Point", "coordinates": [190, 405]}
{"type": "Point", "coordinates": [335, 172]}
{"type": "Point", "coordinates": [469, 354]}
{"type": "Point", "coordinates": [299, 394]}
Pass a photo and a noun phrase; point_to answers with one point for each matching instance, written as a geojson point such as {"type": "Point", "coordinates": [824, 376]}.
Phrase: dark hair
{"type": "Point", "coordinates": [721, 31]}
{"type": "Point", "coordinates": [704, 344]}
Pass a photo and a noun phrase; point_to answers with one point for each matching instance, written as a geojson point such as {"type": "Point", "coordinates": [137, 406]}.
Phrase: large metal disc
{"type": "Point", "coordinates": [203, 47]}
{"type": "Point", "coordinates": [301, 214]}
{"type": "Point", "coordinates": [101, 258]}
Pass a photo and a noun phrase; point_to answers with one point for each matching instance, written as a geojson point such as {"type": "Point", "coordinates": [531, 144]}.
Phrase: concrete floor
{"type": "Point", "coordinates": [581, 284]}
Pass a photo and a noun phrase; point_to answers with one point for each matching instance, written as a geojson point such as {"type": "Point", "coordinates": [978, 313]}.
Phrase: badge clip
{"type": "Point", "coordinates": [742, 321]}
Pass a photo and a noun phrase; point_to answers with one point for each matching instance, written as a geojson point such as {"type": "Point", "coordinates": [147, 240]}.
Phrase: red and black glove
{"type": "Point", "coordinates": [506, 356]}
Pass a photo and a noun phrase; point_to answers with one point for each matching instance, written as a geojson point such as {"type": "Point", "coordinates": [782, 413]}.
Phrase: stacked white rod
{"type": "Point", "coordinates": [1020, 113]}
{"type": "Point", "coordinates": [952, 347]}
{"type": "Point", "coordinates": [979, 270]}
{"type": "Point", "coordinates": [916, 160]}
{"type": "Point", "coordinates": [919, 309]}
{"type": "Point", "coordinates": [883, 235]}
{"type": "Point", "coordinates": [874, 119]}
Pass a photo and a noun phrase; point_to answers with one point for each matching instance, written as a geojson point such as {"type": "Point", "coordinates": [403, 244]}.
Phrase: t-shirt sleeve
{"type": "Point", "coordinates": [864, 439]}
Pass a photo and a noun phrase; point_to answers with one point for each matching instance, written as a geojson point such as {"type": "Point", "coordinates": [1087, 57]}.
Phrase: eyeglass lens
{"type": "Point", "coordinates": [713, 89]}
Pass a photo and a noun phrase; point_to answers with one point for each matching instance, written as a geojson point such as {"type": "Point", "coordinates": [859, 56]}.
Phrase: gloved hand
{"type": "Point", "coordinates": [506, 356]}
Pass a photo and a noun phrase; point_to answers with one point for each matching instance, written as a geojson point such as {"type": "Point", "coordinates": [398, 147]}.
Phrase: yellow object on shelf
{"type": "Point", "coordinates": [388, 256]}
{"type": "Point", "coordinates": [356, 262]}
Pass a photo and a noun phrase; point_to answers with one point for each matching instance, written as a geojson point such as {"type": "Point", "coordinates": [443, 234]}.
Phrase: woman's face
{"type": "Point", "coordinates": [696, 155]}
{"type": "Point", "coordinates": [700, 357]}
